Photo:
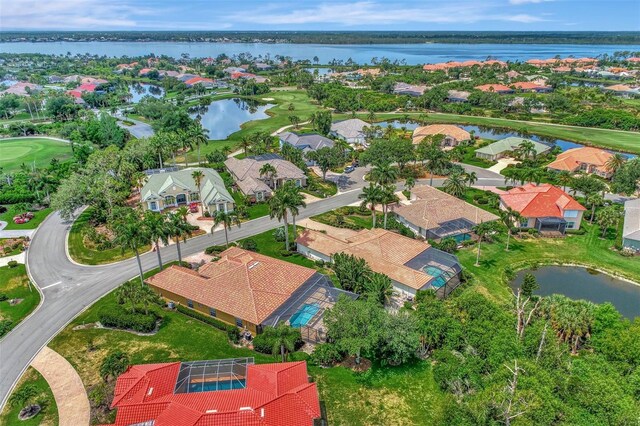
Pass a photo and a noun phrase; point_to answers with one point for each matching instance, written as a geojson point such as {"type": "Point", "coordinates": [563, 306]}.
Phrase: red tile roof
{"type": "Point", "coordinates": [87, 87]}
{"type": "Point", "coordinates": [572, 159]}
{"type": "Point", "coordinates": [543, 200]}
{"type": "Point", "coordinates": [275, 395]}
{"type": "Point", "coordinates": [242, 283]}
{"type": "Point", "coordinates": [527, 85]}
{"type": "Point", "coordinates": [494, 88]}
{"type": "Point", "coordinates": [196, 80]}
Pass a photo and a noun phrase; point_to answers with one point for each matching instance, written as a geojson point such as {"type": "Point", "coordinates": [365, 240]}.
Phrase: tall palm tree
{"type": "Point", "coordinates": [186, 144]}
{"type": "Point", "coordinates": [131, 233]}
{"type": "Point", "coordinates": [379, 287]}
{"type": "Point", "coordinates": [564, 178]}
{"type": "Point", "coordinates": [388, 196]}
{"type": "Point", "coordinates": [199, 136]}
{"type": "Point", "coordinates": [284, 340]}
{"type": "Point", "coordinates": [509, 216]}
{"type": "Point", "coordinates": [156, 226]}
{"type": "Point", "coordinates": [371, 196]}
{"type": "Point", "coordinates": [384, 174]}
{"type": "Point", "coordinates": [279, 205]}
{"type": "Point", "coordinates": [197, 176]}
{"type": "Point", "coordinates": [455, 184]}
{"type": "Point", "coordinates": [296, 201]}
{"type": "Point", "coordinates": [245, 144]}
{"type": "Point", "coordinates": [526, 149]}
{"type": "Point", "coordinates": [227, 219]}
{"type": "Point", "coordinates": [178, 228]}
{"type": "Point", "coordinates": [409, 183]}
{"type": "Point", "coordinates": [436, 159]}
{"type": "Point", "coordinates": [482, 229]}
{"type": "Point", "coordinates": [470, 178]}
{"type": "Point", "coordinates": [615, 162]}
{"type": "Point", "coordinates": [594, 200]}
{"type": "Point", "coordinates": [270, 172]}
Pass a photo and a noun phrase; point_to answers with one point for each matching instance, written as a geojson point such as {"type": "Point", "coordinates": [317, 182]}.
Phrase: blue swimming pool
{"type": "Point", "coordinates": [438, 273]}
{"type": "Point", "coordinates": [304, 314]}
{"type": "Point", "coordinates": [217, 385]}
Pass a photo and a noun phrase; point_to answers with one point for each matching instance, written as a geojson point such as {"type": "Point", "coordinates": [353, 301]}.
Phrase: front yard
{"type": "Point", "coordinates": [15, 286]}
{"type": "Point", "coordinates": [17, 209]}
{"type": "Point", "coordinates": [49, 414]}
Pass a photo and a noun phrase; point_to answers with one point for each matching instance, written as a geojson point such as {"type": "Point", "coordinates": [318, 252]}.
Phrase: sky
{"type": "Point", "coordinates": [342, 15]}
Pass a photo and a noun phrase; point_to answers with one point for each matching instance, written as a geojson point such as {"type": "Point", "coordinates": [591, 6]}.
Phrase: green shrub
{"type": "Point", "coordinates": [3, 297]}
{"type": "Point", "coordinates": [278, 234]}
{"type": "Point", "coordinates": [232, 331]}
{"type": "Point", "coordinates": [326, 354]}
{"type": "Point", "coordinates": [118, 317]}
{"type": "Point", "coordinates": [12, 263]}
{"type": "Point", "coordinates": [264, 342]}
{"type": "Point", "coordinates": [215, 249]}
{"type": "Point", "coordinates": [249, 244]}
{"type": "Point", "coordinates": [285, 253]}
{"type": "Point", "coordinates": [580, 231]}
{"type": "Point", "coordinates": [5, 327]}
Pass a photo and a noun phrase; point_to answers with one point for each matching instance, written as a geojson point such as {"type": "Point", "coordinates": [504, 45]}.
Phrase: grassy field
{"type": "Point", "coordinates": [15, 152]}
{"type": "Point", "coordinates": [268, 246]}
{"type": "Point", "coordinates": [13, 210]}
{"type": "Point", "coordinates": [79, 251]}
{"type": "Point", "coordinates": [14, 284]}
{"type": "Point", "coordinates": [49, 414]}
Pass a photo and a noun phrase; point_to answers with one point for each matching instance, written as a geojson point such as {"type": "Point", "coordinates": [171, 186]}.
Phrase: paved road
{"type": "Point", "coordinates": [69, 288]}
{"type": "Point", "coordinates": [139, 129]}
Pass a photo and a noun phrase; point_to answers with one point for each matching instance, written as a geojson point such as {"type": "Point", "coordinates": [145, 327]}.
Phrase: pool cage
{"type": "Point", "coordinates": [213, 375]}
{"type": "Point", "coordinates": [448, 277]}
{"type": "Point", "coordinates": [318, 292]}
{"type": "Point", "coordinates": [550, 224]}
{"type": "Point", "coordinates": [451, 228]}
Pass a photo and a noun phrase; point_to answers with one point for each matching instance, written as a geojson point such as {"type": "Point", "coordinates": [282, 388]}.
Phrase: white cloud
{"type": "Point", "coordinates": [524, 18]}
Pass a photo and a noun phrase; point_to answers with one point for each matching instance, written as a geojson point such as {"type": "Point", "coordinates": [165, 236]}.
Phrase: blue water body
{"type": "Point", "coordinates": [224, 117]}
{"type": "Point", "coordinates": [360, 53]}
{"type": "Point", "coordinates": [217, 386]}
{"type": "Point", "coordinates": [438, 274]}
{"type": "Point", "coordinates": [140, 90]}
{"type": "Point", "coordinates": [304, 314]}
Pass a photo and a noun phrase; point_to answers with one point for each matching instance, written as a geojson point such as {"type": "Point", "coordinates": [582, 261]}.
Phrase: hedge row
{"type": "Point", "coordinates": [117, 317]}
{"type": "Point", "coordinates": [215, 249]}
{"type": "Point", "coordinates": [232, 331]}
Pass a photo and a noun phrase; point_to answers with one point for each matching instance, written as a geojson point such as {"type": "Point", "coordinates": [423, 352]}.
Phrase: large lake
{"type": "Point", "coordinates": [224, 117]}
{"type": "Point", "coordinates": [361, 53]}
{"type": "Point", "coordinates": [582, 283]}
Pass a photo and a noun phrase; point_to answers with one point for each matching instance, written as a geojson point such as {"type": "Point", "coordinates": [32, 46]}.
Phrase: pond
{"type": "Point", "coordinates": [497, 134]}
{"type": "Point", "coordinates": [224, 117]}
{"type": "Point", "coordinates": [583, 283]}
{"type": "Point", "coordinates": [140, 90]}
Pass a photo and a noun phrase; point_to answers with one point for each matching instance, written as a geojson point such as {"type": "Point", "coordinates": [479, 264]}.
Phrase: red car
{"type": "Point", "coordinates": [193, 207]}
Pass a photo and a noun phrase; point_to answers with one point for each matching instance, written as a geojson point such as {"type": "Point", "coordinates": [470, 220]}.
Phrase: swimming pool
{"type": "Point", "coordinates": [438, 273]}
{"type": "Point", "coordinates": [217, 385]}
{"type": "Point", "coordinates": [304, 314]}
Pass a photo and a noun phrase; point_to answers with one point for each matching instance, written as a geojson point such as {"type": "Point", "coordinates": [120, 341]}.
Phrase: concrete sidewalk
{"type": "Point", "coordinates": [66, 385]}
{"type": "Point", "coordinates": [14, 233]}
{"type": "Point", "coordinates": [4, 261]}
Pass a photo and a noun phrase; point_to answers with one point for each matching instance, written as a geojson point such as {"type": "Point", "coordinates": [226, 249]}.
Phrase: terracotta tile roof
{"type": "Point", "coordinates": [434, 207]}
{"type": "Point", "coordinates": [543, 200]}
{"type": "Point", "coordinates": [198, 80]}
{"type": "Point", "coordinates": [528, 85]}
{"type": "Point", "coordinates": [440, 129]}
{"type": "Point", "coordinates": [275, 395]}
{"type": "Point", "coordinates": [86, 87]}
{"type": "Point", "coordinates": [619, 88]}
{"type": "Point", "coordinates": [385, 252]}
{"type": "Point", "coordinates": [242, 283]}
{"type": "Point", "coordinates": [571, 159]}
{"type": "Point", "coordinates": [498, 88]}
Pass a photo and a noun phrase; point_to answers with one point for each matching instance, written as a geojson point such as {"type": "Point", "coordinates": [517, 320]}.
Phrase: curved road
{"type": "Point", "coordinates": [69, 288]}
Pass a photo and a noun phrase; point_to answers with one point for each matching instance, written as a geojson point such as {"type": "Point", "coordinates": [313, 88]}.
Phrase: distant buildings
{"type": "Point", "coordinates": [458, 96]}
{"type": "Point", "coordinates": [22, 89]}
{"type": "Point", "coordinates": [503, 147]}
{"type": "Point", "coordinates": [453, 135]}
{"type": "Point", "coordinates": [631, 227]}
{"type": "Point", "coordinates": [586, 159]}
{"type": "Point", "coordinates": [501, 89]}
{"type": "Point", "coordinates": [409, 89]}
{"type": "Point", "coordinates": [528, 86]}
{"type": "Point", "coordinates": [622, 90]}
{"type": "Point", "coordinates": [445, 66]}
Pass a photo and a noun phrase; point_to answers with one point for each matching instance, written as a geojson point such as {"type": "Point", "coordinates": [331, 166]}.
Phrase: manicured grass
{"type": "Point", "coordinates": [14, 210]}
{"type": "Point", "coordinates": [588, 250]}
{"type": "Point", "coordinates": [319, 188]}
{"type": "Point", "coordinates": [15, 284]}
{"type": "Point", "coordinates": [15, 152]}
{"type": "Point", "coordinates": [353, 219]}
{"type": "Point", "coordinates": [49, 414]}
{"type": "Point", "coordinates": [90, 256]}
{"type": "Point", "coordinates": [268, 246]}
{"type": "Point", "coordinates": [254, 210]}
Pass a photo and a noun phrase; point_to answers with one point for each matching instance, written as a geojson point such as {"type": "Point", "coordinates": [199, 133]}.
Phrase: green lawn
{"type": "Point", "coordinates": [15, 284]}
{"type": "Point", "coordinates": [79, 251]}
{"type": "Point", "coordinates": [254, 210]}
{"type": "Point", "coordinates": [10, 251]}
{"type": "Point", "coordinates": [49, 414]}
{"type": "Point", "coordinates": [15, 209]}
{"type": "Point", "coordinates": [268, 246]}
{"type": "Point", "coordinates": [15, 152]}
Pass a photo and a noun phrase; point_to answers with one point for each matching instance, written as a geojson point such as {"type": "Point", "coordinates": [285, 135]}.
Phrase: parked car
{"type": "Point", "coordinates": [349, 169]}
{"type": "Point", "coordinates": [193, 207]}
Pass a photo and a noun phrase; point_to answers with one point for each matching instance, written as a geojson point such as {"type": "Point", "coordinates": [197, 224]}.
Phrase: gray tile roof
{"type": "Point", "coordinates": [212, 185]}
{"type": "Point", "coordinates": [308, 142]}
{"type": "Point", "coordinates": [351, 128]}
{"type": "Point", "coordinates": [511, 143]}
{"type": "Point", "coordinates": [631, 227]}
{"type": "Point", "coordinates": [247, 171]}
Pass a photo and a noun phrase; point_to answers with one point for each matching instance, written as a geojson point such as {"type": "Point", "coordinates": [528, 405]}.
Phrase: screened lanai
{"type": "Point", "coordinates": [213, 375]}
{"type": "Point", "coordinates": [443, 267]}
{"type": "Point", "coordinates": [460, 229]}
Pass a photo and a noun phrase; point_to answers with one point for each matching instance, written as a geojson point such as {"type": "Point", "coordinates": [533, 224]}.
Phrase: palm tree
{"type": "Point", "coordinates": [178, 228]}
{"type": "Point", "coordinates": [227, 219]}
{"type": "Point", "coordinates": [157, 229]}
{"type": "Point", "coordinates": [409, 183]}
{"type": "Point", "coordinates": [296, 201]}
{"type": "Point", "coordinates": [594, 200]}
{"type": "Point", "coordinates": [509, 216]}
{"type": "Point", "coordinates": [608, 217]}
{"type": "Point", "coordinates": [379, 287]}
{"type": "Point", "coordinates": [245, 144]}
{"type": "Point", "coordinates": [527, 149]}
{"type": "Point", "coordinates": [384, 174]}
{"type": "Point", "coordinates": [481, 230]}
{"type": "Point", "coordinates": [199, 136]}
{"type": "Point", "coordinates": [270, 172]}
{"type": "Point", "coordinates": [371, 196]}
{"type": "Point", "coordinates": [279, 206]}
{"type": "Point", "coordinates": [455, 184]}
{"type": "Point", "coordinates": [186, 144]}
{"type": "Point", "coordinates": [470, 178]}
{"type": "Point", "coordinates": [564, 178]}
{"type": "Point", "coordinates": [436, 159]}
{"type": "Point", "coordinates": [615, 162]}
{"type": "Point", "coordinates": [388, 196]}
{"type": "Point", "coordinates": [197, 176]}
{"type": "Point", "coordinates": [284, 340]}
{"type": "Point", "coordinates": [131, 233]}
{"type": "Point", "coordinates": [371, 117]}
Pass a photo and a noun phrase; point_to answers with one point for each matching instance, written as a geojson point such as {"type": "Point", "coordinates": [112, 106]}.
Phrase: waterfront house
{"type": "Point", "coordinates": [412, 265]}
{"type": "Point", "coordinates": [22, 89]}
{"type": "Point", "coordinates": [500, 89]}
{"type": "Point", "coordinates": [453, 135]}
{"type": "Point", "coordinates": [586, 159]}
{"type": "Point", "coordinates": [216, 392]}
{"type": "Point", "coordinates": [528, 86]}
{"type": "Point", "coordinates": [622, 90]}
{"type": "Point", "coordinates": [352, 131]}
{"type": "Point", "coordinates": [507, 146]}
{"type": "Point", "coordinates": [409, 89]}
{"type": "Point", "coordinates": [247, 177]}
{"type": "Point", "coordinates": [458, 96]}
{"type": "Point", "coordinates": [631, 227]}
{"type": "Point", "coordinates": [175, 188]}
{"type": "Point", "coordinates": [306, 143]}
{"type": "Point", "coordinates": [544, 207]}
{"type": "Point", "coordinates": [434, 215]}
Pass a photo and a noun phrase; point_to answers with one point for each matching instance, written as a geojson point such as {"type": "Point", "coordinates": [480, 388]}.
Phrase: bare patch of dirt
{"type": "Point", "coordinates": [350, 362]}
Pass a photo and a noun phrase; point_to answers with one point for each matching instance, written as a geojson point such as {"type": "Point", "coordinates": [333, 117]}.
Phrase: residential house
{"type": "Point", "coordinates": [261, 66]}
{"type": "Point", "coordinates": [435, 215]}
{"type": "Point", "coordinates": [352, 131]}
{"type": "Point", "coordinates": [175, 188]}
{"type": "Point", "coordinates": [412, 265]}
{"type": "Point", "coordinates": [252, 291]}
{"type": "Point", "coordinates": [216, 392]}
{"type": "Point", "coordinates": [500, 89]}
{"type": "Point", "coordinates": [55, 79]}
{"type": "Point", "coordinates": [246, 174]}
{"type": "Point", "coordinates": [586, 159]}
{"type": "Point", "coordinates": [622, 90]}
{"type": "Point", "coordinates": [507, 146]}
{"type": "Point", "coordinates": [512, 74]}
{"type": "Point", "coordinates": [453, 135]}
{"type": "Point", "coordinates": [409, 89]}
{"type": "Point", "coordinates": [528, 86]}
{"type": "Point", "coordinates": [93, 80]}
{"type": "Point", "coordinates": [445, 66]}
{"type": "Point", "coordinates": [22, 89]}
{"type": "Point", "coordinates": [168, 73]}
{"type": "Point", "coordinates": [631, 227]}
{"type": "Point", "coordinates": [306, 143]}
{"type": "Point", "coordinates": [202, 81]}
{"type": "Point", "coordinates": [543, 207]}
{"type": "Point", "coordinates": [458, 96]}
{"type": "Point", "coordinates": [185, 77]}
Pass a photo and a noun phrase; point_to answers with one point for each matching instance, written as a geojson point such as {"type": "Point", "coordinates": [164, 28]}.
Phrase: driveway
{"type": "Point", "coordinates": [139, 129]}
{"type": "Point", "coordinates": [14, 233]}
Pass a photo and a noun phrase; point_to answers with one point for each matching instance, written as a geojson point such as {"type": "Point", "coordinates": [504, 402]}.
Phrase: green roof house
{"type": "Point", "coordinates": [503, 147]}
{"type": "Point", "coordinates": [172, 189]}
